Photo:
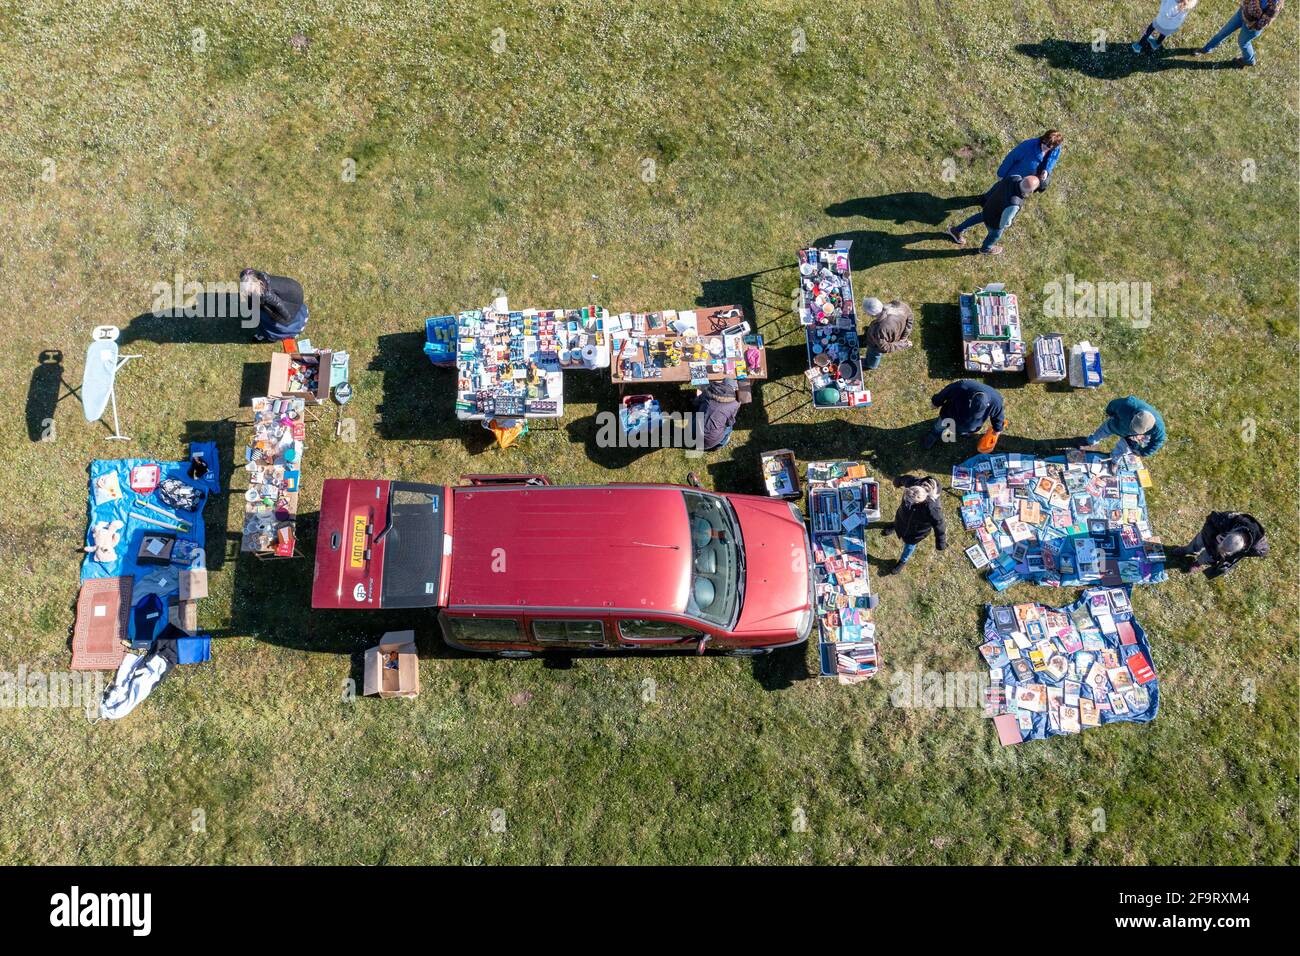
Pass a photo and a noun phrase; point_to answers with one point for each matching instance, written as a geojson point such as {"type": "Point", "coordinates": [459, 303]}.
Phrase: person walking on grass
{"type": "Point", "coordinates": [918, 514]}
{"type": "Point", "coordinates": [1224, 539]}
{"type": "Point", "coordinates": [1001, 204]}
{"type": "Point", "coordinates": [1139, 427]}
{"type": "Point", "coordinates": [964, 407]}
{"type": "Point", "coordinates": [890, 331]}
{"type": "Point", "coordinates": [1169, 19]}
{"type": "Point", "coordinates": [1251, 19]}
{"type": "Point", "coordinates": [1035, 157]}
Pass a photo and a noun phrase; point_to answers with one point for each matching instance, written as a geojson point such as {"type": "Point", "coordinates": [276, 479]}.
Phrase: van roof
{"type": "Point", "coordinates": [598, 547]}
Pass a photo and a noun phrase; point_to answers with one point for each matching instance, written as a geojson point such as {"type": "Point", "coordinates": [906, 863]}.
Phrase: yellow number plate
{"type": "Point", "coordinates": [357, 558]}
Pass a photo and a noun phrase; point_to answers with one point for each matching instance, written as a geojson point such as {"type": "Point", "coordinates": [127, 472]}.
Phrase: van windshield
{"type": "Point", "coordinates": [717, 560]}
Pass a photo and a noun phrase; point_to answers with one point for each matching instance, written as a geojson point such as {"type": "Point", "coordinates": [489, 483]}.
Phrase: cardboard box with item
{"type": "Point", "coordinates": [293, 375]}
{"type": "Point", "coordinates": [393, 668]}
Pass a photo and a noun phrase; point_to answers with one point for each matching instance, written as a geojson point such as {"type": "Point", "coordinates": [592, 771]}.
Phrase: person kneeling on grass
{"type": "Point", "coordinates": [1001, 204]}
{"type": "Point", "coordinates": [1139, 427]}
{"type": "Point", "coordinates": [918, 514]}
{"type": "Point", "coordinates": [1035, 157]}
{"type": "Point", "coordinates": [890, 331]}
{"type": "Point", "coordinates": [1167, 22]}
{"type": "Point", "coordinates": [277, 302]}
{"type": "Point", "coordinates": [1224, 539]}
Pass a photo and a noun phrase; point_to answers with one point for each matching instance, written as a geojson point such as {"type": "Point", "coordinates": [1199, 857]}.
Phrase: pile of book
{"type": "Point", "coordinates": [841, 501]}
{"type": "Point", "coordinates": [1057, 671]}
{"type": "Point", "coordinates": [1059, 521]}
{"type": "Point", "coordinates": [990, 331]}
{"type": "Point", "coordinates": [509, 364]}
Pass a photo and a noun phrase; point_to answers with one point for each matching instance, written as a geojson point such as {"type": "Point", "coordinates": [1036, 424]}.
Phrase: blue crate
{"type": "Point", "coordinates": [440, 339]}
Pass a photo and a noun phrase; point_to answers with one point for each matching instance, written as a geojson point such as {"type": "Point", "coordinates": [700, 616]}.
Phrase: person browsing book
{"type": "Point", "coordinates": [1139, 428]}
{"type": "Point", "coordinates": [918, 514]}
{"type": "Point", "coordinates": [964, 407]}
{"type": "Point", "coordinates": [890, 331]}
{"type": "Point", "coordinates": [718, 404]}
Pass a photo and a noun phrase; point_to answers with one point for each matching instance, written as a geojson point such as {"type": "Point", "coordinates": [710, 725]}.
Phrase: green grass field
{"type": "Point", "coordinates": [509, 149]}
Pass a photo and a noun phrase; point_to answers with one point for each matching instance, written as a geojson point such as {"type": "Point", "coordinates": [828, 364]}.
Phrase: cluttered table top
{"type": "Point", "coordinates": [696, 346]}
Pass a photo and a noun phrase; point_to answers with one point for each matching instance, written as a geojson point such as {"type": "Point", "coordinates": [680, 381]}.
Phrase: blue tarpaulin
{"type": "Point", "coordinates": [1089, 663]}
{"type": "Point", "coordinates": [111, 499]}
{"type": "Point", "coordinates": [1058, 521]}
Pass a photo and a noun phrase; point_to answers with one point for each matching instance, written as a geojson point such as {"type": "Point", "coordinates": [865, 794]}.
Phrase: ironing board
{"type": "Point", "coordinates": [99, 378]}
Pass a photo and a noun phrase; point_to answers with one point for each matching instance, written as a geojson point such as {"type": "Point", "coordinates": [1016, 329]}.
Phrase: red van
{"type": "Point", "coordinates": [517, 566]}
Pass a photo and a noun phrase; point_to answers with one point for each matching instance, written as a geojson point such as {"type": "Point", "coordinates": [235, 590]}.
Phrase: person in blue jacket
{"type": "Point", "coordinates": [1139, 427]}
{"type": "Point", "coordinates": [967, 405]}
{"type": "Point", "coordinates": [1034, 157]}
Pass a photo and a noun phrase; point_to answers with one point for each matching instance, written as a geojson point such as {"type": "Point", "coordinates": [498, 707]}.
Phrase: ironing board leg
{"type": "Point", "coordinates": [117, 430]}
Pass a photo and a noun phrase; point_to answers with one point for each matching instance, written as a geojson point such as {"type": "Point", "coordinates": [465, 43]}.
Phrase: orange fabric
{"type": "Point", "coordinates": [506, 436]}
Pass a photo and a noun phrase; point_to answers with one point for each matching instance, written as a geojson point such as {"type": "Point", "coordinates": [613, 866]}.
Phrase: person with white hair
{"type": "Point", "coordinates": [918, 514]}
{"type": "Point", "coordinates": [1224, 539]}
{"type": "Point", "coordinates": [1139, 428]}
{"type": "Point", "coordinates": [890, 331]}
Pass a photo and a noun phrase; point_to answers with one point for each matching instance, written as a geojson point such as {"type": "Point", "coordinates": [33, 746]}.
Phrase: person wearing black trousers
{"type": "Point", "coordinates": [1224, 539]}
{"type": "Point", "coordinates": [917, 515]}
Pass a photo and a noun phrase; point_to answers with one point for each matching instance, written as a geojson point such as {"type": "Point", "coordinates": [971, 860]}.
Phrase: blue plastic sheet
{"type": "Point", "coordinates": [133, 529]}
{"type": "Point", "coordinates": [1082, 644]}
{"type": "Point", "coordinates": [147, 577]}
{"type": "Point", "coordinates": [1084, 536]}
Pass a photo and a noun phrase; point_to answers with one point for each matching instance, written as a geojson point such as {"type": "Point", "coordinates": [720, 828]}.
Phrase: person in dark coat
{"type": "Point", "coordinates": [918, 514]}
{"type": "Point", "coordinates": [1224, 539]}
{"type": "Point", "coordinates": [1001, 205]}
{"type": "Point", "coordinates": [889, 332]}
{"type": "Point", "coordinates": [277, 303]}
{"type": "Point", "coordinates": [968, 405]}
{"type": "Point", "coordinates": [718, 404]}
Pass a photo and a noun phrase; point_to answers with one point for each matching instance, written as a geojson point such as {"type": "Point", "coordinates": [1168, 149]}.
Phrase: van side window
{"type": "Point", "coordinates": [569, 632]}
{"type": "Point", "coordinates": [648, 629]}
{"type": "Point", "coordinates": [471, 629]}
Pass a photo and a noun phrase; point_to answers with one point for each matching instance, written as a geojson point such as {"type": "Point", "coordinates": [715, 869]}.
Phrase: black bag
{"type": "Point", "coordinates": [176, 494]}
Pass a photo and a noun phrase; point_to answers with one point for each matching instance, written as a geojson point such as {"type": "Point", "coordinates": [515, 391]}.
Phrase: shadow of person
{"type": "Point", "coordinates": [904, 208]}
{"type": "Point", "coordinates": [43, 394]}
{"type": "Point", "coordinates": [1116, 61]}
{"type": "Point", "coordinates": [873, 247]}
{"type": "Point", "coordinates": [215, 318]}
